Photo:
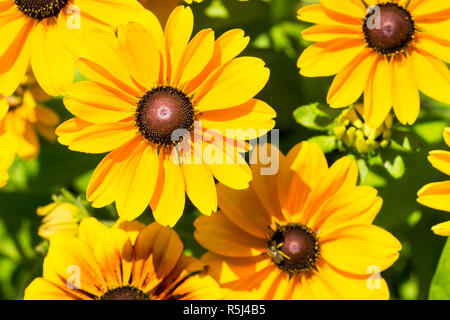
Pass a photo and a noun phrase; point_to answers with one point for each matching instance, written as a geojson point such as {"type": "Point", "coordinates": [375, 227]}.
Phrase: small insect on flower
{"type": "Point", "coordinates": [275, 253]}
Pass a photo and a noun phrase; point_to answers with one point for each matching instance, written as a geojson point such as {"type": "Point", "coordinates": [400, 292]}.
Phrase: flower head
{"type": "Point", "coordinates": [161, 105]}
{"type": "Point", "coordinates": [24, 118]}
{"type": "Point", "coordinates": [305, 233]}
{"type": "Point", "coordinates": [389, 50]}
{"type": "Point", "coordinates": [129, 261]}
{"type": "Point", "coordinates": [46, 34]}
{"type": "Point", "coordinates": [437, 195]}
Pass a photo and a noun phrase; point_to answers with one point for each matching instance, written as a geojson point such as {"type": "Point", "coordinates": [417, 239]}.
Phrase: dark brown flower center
{"type": "Point", "coordinates": [294, 248]}
{"type": "Point", "coordinates": [41, 9]}
{"type": "Point", "coordinates": [125, 293]}
{"type": "Point", "coordinates": [164, 115]}
{"type": "Point", "coordinates": [388, 28]}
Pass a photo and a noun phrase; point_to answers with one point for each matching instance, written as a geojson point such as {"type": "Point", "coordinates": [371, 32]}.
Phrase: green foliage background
{"type": "Point", "coordinates": [275, 37]}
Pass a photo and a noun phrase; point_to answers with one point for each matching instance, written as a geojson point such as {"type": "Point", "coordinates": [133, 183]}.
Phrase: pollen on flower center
{"type": "Point", "coordinates": [125, 293]}
{"type": "Point", "coordinates": [164, 114]}
{"type": "Point", "coordinates": [41, 9]}
{"type": "Point", "coordinates": [294, 248]}
{"type": "Point", "coordinates": [390, 29]}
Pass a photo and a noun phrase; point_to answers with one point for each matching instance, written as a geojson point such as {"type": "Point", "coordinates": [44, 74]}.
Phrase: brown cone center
{"type": "Point", "coordinates": [125, 293]}
{"type": "Point", "coordinates": [41, 9]}
{"type": "Point", "coordinates": [388, 28]}
{"type": "Point", "coordinates": [164, 115]}
{"type": "Point", "coordinates": [294, 248]}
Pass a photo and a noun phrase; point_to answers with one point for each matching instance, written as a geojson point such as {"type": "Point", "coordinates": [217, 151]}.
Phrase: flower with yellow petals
{"type": "Point", "coordinates": [437, 195]}
{"type": "Point", "coordinates": [44, 33]}
{"type": "Point", "coordinates": [153, 98]}
{"type": "Point", "coordinates": [304, 233]}
{"type": "Point", "coordinates": [8, 149]}
{"type": "Point", "coordinates": [129, 261]}
{"type": "Point", "coordinates": [389, 50]}
{"type": "Point", "coordinates": [24, 118]}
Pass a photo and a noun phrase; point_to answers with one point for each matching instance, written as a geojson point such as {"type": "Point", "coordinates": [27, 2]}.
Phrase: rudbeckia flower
{"type": "Point", "coordinates": [25, 118]}
{"type": "Point", "coordinates": [389, 52]}
{"type": "Point", "coordinates": [161, 106]}
{"type": "Point", "coordinates": [129, 261]}
{"type": "Point", "coordinates": [304, 233]}
{"type": "Point", "coordinates": [43, 32]}
{"type": "Point", "coordinates": [8, 149]}
{"type": "Point", "coordinates": [437, 195]}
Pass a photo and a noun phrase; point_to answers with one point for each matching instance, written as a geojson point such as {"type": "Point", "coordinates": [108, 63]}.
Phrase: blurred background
{"type": "Point", "coordinates": [398, 173]}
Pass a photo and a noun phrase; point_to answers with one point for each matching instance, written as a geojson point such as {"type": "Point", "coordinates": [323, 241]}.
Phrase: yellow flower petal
{"type": "Point", "coordinates": [378, 94]}
{"type": "Point", "coordinates": [315, 60]}
{"type": "Point", "coordinates": [178, 32]}
{"type": "Point", "coordinates": [350, 82]}
{"type": "Point", "coordinates": [442, 229]}
{"type": "Point", "coordinates": [53, 65]}
{"type": "Point", "coordinates": [140, 53]}
{"type": "Point", "coordinates": [98, 103]}
{"type": "Point", "coordinates": [41, 289]}
{"type": "Point", "coordinates": [354, 249]}
{"type": "Point", "coordinates": [352, 8]}
{"type": "Point", "coordinates": [14, 61]}
{"type": "Point", "coordinates": [198, 53]}
{"type": "Point", "coordinates": [432, 76]}
{"type": "Point", "coordinates": [440, 160]}
{"type": "Point", "coordinates": [218, 234]}
{"type": "Point", "coordinates": [230, 86]}
{"type": "Point", "coordinates": [405, 93]}
{"type": "Point", "coordinates": [168, 199]}
{"type": "Point", "coordinates": [101, 138]}
{"type": "Point", "coordinates": [106, 179]}
{"type": "Point", "coordinates": [138, 180]}
{"type": "Point", "coordinates": [435, 195]}
{"type": "Point", "coordinates": [243, 208]}
{"type": "Point", "coordinates": [200, 187]}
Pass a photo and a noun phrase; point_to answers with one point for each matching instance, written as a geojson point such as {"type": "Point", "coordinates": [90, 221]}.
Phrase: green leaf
{"type": "Point", "coordinates": [396, 168]}
{"type": "Point", "coordinates": [440, 285]}
{"type": "Point", "coordinates": [315, 116]}
{"type": "Point", "coordinates": [326, 143]}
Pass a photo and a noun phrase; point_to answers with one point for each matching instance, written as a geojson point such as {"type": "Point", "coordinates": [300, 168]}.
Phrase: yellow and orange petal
{"type": "Point", "coordinates": [304, 233]}
{"type": "Point", "coordinates": [210, 91]}
{"type": "Point", "coordinates": [437, 195]}
{"type": "Point", "coordinates": [8, 149]}
{"type": "Point", "coordinates": [389, 79]}
{"type": "Point", "coordinates": [48, 39]}
{"type": "Point", "coordinates": [126, 262]}
{"type": "Point", "coordinates": [25, 118]}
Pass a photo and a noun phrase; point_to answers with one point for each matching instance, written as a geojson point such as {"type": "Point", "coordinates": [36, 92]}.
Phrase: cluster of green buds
{"type": "Point", "coordinates": [352, 131]}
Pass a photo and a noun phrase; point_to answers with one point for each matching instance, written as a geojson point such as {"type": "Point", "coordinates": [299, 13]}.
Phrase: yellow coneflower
{"type": "Point", "coordinates": [389, 52]}
{"type": "Point", "coordinates": [146, 88]}
{"type": "Point", "coordinates": [25, 118]}
{"type": "Point", "coordinates": [304, 233]}
{"type": "Point", "coordinates": [44, 33]}
{"type": "Point", "coordinates": [127, 262]}
{"type": "Point", "coordinates": [437, 195]}
{"type": "Point", "coordinates": [8, 149]}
